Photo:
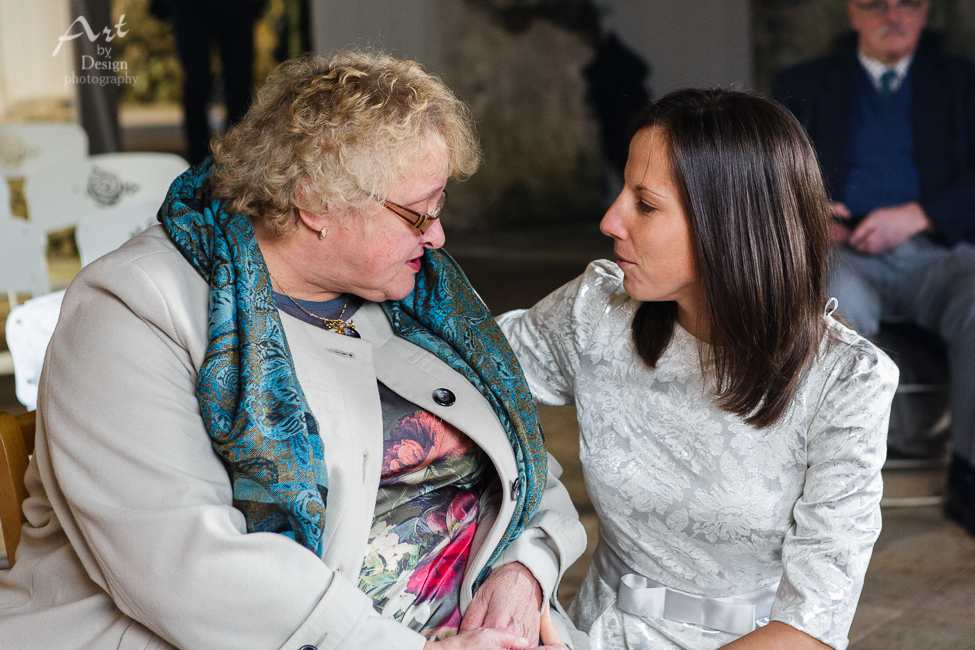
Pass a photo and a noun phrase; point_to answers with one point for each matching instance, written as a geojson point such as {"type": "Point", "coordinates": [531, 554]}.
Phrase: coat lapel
{"type": "Point", "coordinates": [336, 375]}
{"type": "Point", "coordinates": [416, 374]}
{"type": "Point", "coordinates": [350, 418]}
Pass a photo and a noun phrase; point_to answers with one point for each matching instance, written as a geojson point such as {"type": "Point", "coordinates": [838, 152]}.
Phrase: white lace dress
{"type": "Point", "coordinates": [692, 497]}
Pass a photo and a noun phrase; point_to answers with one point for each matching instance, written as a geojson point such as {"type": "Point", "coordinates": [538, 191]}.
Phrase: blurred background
{"type": "Point", "coordinates": [529, 69]}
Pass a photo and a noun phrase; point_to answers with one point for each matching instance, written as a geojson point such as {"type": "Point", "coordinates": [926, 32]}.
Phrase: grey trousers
{"type": "Point", "coordinates": [932, 285]}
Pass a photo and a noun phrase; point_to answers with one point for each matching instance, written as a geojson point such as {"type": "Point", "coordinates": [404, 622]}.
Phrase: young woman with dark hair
{"type": "Point", "coordinates": [732, 431]}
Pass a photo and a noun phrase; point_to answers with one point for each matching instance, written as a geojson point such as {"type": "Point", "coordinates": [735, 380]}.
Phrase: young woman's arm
{"type": "Point", "coordinates": [836, 519]}
{"type": "Point", "coordinates": [549, 338]}
{"type": "Point", "coordinates": [776, 636]}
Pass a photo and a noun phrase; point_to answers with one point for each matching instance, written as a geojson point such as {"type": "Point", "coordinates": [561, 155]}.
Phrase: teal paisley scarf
{"type": "Point", "coordinates": [254, 409]}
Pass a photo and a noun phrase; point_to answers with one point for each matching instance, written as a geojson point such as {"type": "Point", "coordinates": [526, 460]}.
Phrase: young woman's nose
{"type": "Point", "coordinates": [612, 223]}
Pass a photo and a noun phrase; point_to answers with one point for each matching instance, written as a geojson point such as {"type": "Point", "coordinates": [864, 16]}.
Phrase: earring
{"type": "Point", "coordinates": [322, 232]}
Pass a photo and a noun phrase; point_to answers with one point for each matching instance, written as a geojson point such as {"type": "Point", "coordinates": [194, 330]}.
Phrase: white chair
{"type": "Point", "coordinates": [5, 214]}
{"type": "Point", "coordinates": [59, 196]}
{"type": "Point", "coordinates": [102, 232]}
{"type": "Point", "coordinates": [23, 268]}
{"type": "Point", "coordinates": [28, 148]}
{"type": "Point", "coordinates": [29, 330]}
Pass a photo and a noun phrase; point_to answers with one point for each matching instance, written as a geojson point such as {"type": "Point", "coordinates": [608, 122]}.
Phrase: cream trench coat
{"type": "Point", "coordinates": [132, 541]}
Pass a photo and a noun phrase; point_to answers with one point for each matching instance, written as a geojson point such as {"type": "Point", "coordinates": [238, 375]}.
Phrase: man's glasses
{"type": "Point", "coordinates": [419, 221]}
{"type": "Point", "coordinates": [880, 7]}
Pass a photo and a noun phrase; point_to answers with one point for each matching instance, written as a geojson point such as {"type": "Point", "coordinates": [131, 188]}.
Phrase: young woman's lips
{"type": "Point", "coordinates": [414, 263]}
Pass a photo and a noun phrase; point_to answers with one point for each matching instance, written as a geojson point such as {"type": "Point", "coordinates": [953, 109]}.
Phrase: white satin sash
{"type": "Point", "coordinates": [640, 596]}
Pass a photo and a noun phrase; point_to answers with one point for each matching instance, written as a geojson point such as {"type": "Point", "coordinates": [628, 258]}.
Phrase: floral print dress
{"type": "Point", "coordinates": [426, 510]}
{"type": "Point", "coordinates": [425, 518]}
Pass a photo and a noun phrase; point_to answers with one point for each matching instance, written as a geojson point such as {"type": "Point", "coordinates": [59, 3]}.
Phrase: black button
{"type": "Point", "coordinates": [444, 397]}
{"type": "Point", "coordinates": [516, 489]}
{"type": "Point", "coordinates": [307, 647]}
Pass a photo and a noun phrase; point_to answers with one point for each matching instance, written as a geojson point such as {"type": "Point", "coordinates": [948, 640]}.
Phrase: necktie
{"type": "Point", "coordinates": [887, 80]}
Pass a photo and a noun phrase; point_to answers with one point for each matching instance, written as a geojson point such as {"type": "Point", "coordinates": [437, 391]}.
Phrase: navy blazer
{"type": "Point", "coordinates": [821, 95]}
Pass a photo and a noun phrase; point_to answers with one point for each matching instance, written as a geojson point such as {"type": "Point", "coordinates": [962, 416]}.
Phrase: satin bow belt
{"type": "Point", "coordinates": [640, 596]}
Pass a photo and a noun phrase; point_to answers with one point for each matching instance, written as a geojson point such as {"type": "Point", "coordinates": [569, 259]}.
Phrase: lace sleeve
{"type": "Point", "coordinates": [837, 518]}
{"type": "Point", "coordinates": [548, 339]}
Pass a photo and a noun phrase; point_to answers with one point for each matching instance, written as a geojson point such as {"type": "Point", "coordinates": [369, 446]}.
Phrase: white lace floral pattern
{"type": "Point", "coordinates": [694, 498]}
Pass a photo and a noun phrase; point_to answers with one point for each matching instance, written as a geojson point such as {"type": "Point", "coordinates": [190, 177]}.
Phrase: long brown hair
{"type": "Point", "coordinates": [749, 182]}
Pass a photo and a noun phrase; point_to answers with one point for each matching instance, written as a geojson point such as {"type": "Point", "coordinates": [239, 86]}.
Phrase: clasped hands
{"type": "Point", "coordinates": [881, 230]}
{"type": "Point", "coordinates": [506, 614]}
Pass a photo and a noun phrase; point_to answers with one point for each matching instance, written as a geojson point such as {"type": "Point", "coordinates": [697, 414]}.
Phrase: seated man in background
{"type": "Point", "coordinates": [893, 121]}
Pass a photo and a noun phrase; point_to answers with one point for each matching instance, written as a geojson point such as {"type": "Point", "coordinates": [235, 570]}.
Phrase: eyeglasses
{"type": "Point", "coordinates": [419, 221]}
{"type": "Point", "coordinates": [881, 7]}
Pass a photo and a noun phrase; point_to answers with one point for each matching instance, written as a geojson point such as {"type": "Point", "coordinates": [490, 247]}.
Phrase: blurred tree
{"type": "Point", "coordinates": [149, 49]}
{"type": "Point", "coordinates": [519, 65]}
{"type": "Point", "coordinates": [517, 16]}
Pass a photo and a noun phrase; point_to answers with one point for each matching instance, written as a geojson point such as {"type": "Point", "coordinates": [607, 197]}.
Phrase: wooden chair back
{"type": "Point", "coordinates": [16, 446]}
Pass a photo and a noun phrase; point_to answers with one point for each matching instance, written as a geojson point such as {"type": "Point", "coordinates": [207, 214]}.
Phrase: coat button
{"type": "Point", "coordinates": [307, 647]}
{"type": "Point", "coordinates": [444, 397]}
{"type": "Point", "coordinates": [516, 489]}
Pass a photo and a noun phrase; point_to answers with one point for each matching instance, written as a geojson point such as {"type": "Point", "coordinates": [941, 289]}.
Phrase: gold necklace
{"type": "Point", "coordinates": [337, 325]}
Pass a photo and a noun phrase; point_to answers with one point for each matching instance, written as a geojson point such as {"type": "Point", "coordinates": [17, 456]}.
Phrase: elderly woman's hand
{"type": "Point", "coordinates": [482, 639]}
{"type": "Point", "coordinates": [487, 639]}
{"type": "Point", "coordinates": [510, 599]}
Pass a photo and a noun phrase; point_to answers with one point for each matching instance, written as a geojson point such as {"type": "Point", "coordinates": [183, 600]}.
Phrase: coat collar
{"type": "Point", "coordinates": [415, 374]}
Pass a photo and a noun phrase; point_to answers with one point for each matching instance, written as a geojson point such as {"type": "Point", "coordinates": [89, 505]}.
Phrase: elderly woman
{"type": "Point", "coordinates": [732, 431]}
{"type": "Point", "coordinates": [283, 419]}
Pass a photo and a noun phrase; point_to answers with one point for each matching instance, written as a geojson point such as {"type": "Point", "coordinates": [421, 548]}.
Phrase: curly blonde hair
{"type": "Point", "coordinates": [333, 136]}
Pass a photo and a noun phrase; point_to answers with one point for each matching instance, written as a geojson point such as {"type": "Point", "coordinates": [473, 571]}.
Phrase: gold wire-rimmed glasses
{"type": "Point", "coordinates": [418, 220]}
{"type": "Point", "coordinates": [880, 7]}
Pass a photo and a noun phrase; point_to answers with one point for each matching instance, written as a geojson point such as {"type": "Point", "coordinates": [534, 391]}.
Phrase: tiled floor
{"type": "Point", "coordinates": [920, 587]}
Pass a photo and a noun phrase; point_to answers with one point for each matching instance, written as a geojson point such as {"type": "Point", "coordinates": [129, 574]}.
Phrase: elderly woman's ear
{"type": "Point", "coordinates": [316, 222]}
